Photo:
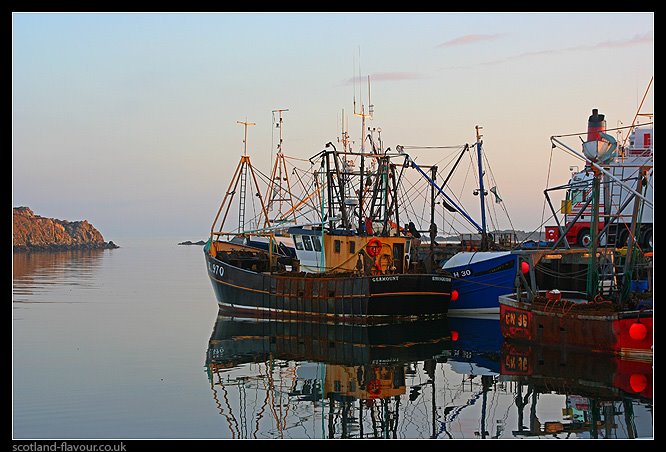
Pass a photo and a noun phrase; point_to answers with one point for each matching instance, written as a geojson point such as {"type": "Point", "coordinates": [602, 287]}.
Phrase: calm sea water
{"type": "Point", "coordinates": [128, 343]}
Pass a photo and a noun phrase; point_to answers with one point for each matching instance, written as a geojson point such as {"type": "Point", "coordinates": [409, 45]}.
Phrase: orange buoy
{"type": "Point", "coordinates": [524, 267]}
{"type": "Point", "coordinates": [637, 331]}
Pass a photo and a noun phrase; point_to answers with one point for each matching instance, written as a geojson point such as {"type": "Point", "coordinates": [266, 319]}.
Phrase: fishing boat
{"type": "Point", "coordinates": [354, 264]}
{"type": "Point", "coordinates": [555, 317]}
{"type": "Point", "coordinates": [609, 316]}
{"type": "Point", "coordinates": [482, 275]}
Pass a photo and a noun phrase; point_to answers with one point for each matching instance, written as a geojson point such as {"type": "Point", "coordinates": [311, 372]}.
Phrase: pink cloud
{"type": "Point", "coordinates": [384, 77]}
{"type": "Point", "coordinates": [470, 39]}
{"type": "Point", "coordinates": [637, 39]}
{"type": "Point", "coordinates": [627, 42]}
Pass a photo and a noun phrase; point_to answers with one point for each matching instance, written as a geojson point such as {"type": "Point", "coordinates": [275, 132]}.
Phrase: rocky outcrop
{"type": "Point", "coordinates": [32, 233]}
{"type": "Point", "coordinates": [189, 242]}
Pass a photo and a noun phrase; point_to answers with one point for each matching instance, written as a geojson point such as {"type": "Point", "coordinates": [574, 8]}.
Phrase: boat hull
{"type": "Point", "coordinates": [348, 298]}
{"type": "Point", "coordinates": [575, 325]}
{"type": "Point", "coordinates": [481, 280]}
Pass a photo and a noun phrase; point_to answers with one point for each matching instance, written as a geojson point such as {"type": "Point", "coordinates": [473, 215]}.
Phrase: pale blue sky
{"type": "Point", "coordinates": [129, 120]}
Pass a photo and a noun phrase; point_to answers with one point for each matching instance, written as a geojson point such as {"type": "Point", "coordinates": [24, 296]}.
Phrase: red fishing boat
{"type": "Point", "coordinates": [614, 314]}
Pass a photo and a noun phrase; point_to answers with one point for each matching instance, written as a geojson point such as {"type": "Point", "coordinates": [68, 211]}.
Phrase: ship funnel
{"type": "Point", "coordinates": [595, 125]}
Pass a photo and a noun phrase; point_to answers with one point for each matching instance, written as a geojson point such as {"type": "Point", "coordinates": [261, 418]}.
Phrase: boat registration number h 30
{"type": "Point", "coordinates": [462, 273]}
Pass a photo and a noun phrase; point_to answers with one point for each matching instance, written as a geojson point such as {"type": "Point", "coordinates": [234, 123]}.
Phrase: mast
{"type": "Point", "coordinates": [433, 227]}
{"type": "Point", "coordinates": [276, 191]}
{"type": "Point", "coordinates": [482, 192]}
{"type": "Point", "coordinates": [362, 115]}
{"type": "Point", "coordinates": [241, 174]}
{"type": "Point", "coordinates": [243, 178]}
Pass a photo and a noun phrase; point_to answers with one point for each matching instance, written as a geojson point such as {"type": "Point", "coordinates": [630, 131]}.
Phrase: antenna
{"type": "Point", "coordinates": [363, 115]}
{"type": "Point", "coordinates": [354, 81]}
{"type": "Point", "coordinates": [360, 92]}
{"type": "Point", "coordinates": [245, 136]}
{"type": "Point", "coordinates": [371, 107]}
{"type": "Point", "coordinates": [279, 126]}
{"type": "Point", "coordinates": [277, 193]}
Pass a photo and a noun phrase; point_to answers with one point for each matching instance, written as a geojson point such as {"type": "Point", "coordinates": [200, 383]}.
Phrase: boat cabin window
{"type": "Point", "coordinates": [298, 242]}
{"type": "Point", "coordinates": [336, 246]}
{"type": "Point", "coordinates": [316, 243]}
{"type": "Point", "coordinates": [307, 243]}
{"type": "Point", "coordinates": [352, 247]}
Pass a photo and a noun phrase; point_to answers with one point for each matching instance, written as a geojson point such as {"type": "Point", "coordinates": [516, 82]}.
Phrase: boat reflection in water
{"type": "Point", "coordinates": [476, 342]}
{"type": "Point", "coordinates": [350, 377]}
{"type": "Point", "coordinates": [441, 378]}
{"type": "Point", "coordinates": [601, 395]}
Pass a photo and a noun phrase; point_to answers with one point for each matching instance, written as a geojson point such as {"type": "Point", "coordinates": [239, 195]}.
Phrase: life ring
{"type": "Point", "coordinates": [374, 247]}
{"type": "Point", "coordinates": [550, 234]}
{"type": "Point", "coordinates": [374, 386]}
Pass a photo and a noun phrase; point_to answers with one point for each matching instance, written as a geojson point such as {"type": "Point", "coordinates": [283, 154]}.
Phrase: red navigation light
{"type": "Point", "coordinates": [454, 335]}
{"type": "Point", "coordinates": [637, 331]}
{"type": "Point", "coordinates": [454, 295]}
{"type": "Point", "coordinates": [638, 382]}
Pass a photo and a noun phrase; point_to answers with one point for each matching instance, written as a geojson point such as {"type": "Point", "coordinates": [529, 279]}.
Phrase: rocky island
{"type": "Point", "coordinates": [189, 242]}
{"type": "Point", "coordinates": [34, 233]}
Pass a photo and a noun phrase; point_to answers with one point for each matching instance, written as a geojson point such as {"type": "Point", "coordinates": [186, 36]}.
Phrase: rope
{"type": "Point", "coordinates": [571, 305]}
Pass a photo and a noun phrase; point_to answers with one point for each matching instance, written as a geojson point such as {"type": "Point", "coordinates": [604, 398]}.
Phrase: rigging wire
{"type": "Point", "coordinates": [607, 130]}
{"type": "Point", "coordinates": [459, 146]}
{"type": "Point", "coordinates": [502, 203]}
{"type": "Point", "coordinates": [550, 161]}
